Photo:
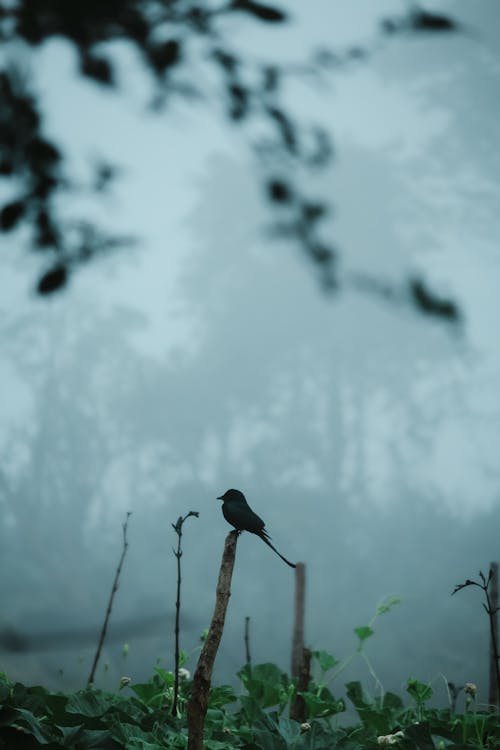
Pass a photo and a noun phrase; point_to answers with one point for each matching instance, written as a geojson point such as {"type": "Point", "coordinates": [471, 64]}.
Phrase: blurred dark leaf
{"type": "Point", "coordinates": [6, 167]}
{"type": "Point", "coordinates": [44, 185]}
{"type": "Point", "coordinates": [165, 55]}
{"type": "Point", "coordinates": [46, 231]}
{"type": "Point", "coordinates": [104, 174]}
{"type": "Point", "coordinates": [271, 78]}
{"type": "Point", "coordinates": [420, 734]}
{"type": "Point", "coordinates": [263, 12]}
{"type": "Point", "coordinates": [286, 128]}
{"type": "Point", "coordinates": [313, 211]}
{"type": "Point", "coordinates": [422, 20]}
{"type": "Point", "coordinates": [390, 26]}
{"type": "Point", "coordinates": [322, 254]}
{"type": "Point", "coordinates": [200, 19]}
{"type": "Point", "coordinates": [226, 60]}
{"type": "Point", "coordinates": [323, 149]}
{"type": "Point", "coordinates": [239, 99]}
{"type": "Point", "coordinates": [98, 68]}
{"type": "Point", "coordinates": [429, 303]}
{"type": "Point", "coordinates": [53, 280]}
{"type": "Point", "coordinates": [279, 191]}
{"type": "Point", "coordinates": [41, 153]}
{"type": "Point", "coordinates": [11, 214]}
{"type": "Point", "coordinates": [357, 53]}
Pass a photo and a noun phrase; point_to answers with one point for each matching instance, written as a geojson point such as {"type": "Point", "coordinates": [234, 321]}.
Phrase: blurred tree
{"type": "Point", "coordinates": [168, 33]}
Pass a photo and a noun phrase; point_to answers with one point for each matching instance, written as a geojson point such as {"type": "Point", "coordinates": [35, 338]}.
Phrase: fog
{"type": "Point", "coordinates": [364, 432]}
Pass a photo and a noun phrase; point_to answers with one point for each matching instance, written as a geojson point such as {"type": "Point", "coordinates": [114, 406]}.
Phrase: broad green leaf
{"type": "Point", "coordinates": [325, 660]}
{"type": "Point", "coordinates": [166, 677]}
{"type": "Point", "coordinates": [419, 691]}
{"type": "Point", "coordinates": [364, 632]}
{"type": "Point", "coordinates": [128, 733]}
{"type": "Point", "coordinates": [377, 720]}
{"type": "Point", "coordinates": [138, 744]}
{"type": "Point", "coordinates": [265, 683]}
{"type": "Point", "coordinates": [33, 724]}
{"type": "Point", "coordinates": [420, 734]}
{"type": "Point", "coordinates": [87, 739]}
{"type": "Point", "coordinates": [71, 735]}
{"type": "Point", "coordinates": [90, 702]}
{"type": "Point", "coordinates": [4, 691]}
{"type": "Point", "coordinates": [391, 701]}
{"type": "Point", "coordinates": [356, 695]}
{"type": "Point", "coordinates": [322, 703]}
{"type": "Point", "coordinates": [220, 696]}
{"type": "Point", "coordinates": [289, 730]}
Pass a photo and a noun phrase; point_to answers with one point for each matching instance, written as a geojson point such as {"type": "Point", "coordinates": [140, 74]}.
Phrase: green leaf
{"type": "Point", "coordinates": [129, 733]}
{"type": "Point", "coordinates": [4, 692]}
{"type": "Point", "coordinates": [289, 730]}
{"type": "Point", "coordinates": [220, 696]}
{"type": "Point", "coordinates": [322, 703]}
{"type": "Point", "coordinates": [419, 691]}
{"type": "Point", "coordinates": [364, 632]}
{"type": "Point", "coordinates": [325, 660]}
{"type": "Point", "coordinates": [388, 604]}
{"type": "Point", "coordinates": [372, 717]}
{"type": "Point", "coordinates": [266, 684]}
{"type": "Point", "coordinates": [91, 703]}
{"type": "Point", "coordinates": [167, 677]}
{"type": "Point", "coordinates": [28, 721]}
{"type": "Point", "coordinates": [420, 734]}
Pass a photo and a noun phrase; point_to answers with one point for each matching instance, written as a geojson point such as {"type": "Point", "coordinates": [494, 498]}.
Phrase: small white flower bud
{"type": "Point", "coordinates": [389, 739]}
{"type": "Point", "coordinates": [470, 688]}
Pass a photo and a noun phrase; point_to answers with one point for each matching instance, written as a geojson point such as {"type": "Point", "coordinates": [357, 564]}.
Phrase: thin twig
{"type": "Point", "coordinates": [178, 554]}
{"type": "Point", "coordinates": [247, 641]}
{"type": "Point", "coordinates": [114, 589]}
{"type": "Point", "coordinates": [491, 608]}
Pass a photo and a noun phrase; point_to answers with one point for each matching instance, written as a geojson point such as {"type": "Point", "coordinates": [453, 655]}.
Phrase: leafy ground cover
{"type": "Point", "coordinates": [139, 716]}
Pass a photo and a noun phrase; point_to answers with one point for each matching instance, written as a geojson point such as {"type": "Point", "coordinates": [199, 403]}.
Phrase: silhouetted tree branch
{"type": "Point", "coordinates": [164, 35]}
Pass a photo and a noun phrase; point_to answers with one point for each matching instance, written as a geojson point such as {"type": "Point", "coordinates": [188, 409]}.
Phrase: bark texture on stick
{"type": "Point", "coordinates": [198, 703]}
{"type": "Point", "coordinates": [298, 623]}
{"type": "Point", "coordinates": [298, 709]}
{"type": "Point", "coordinates": [494, 692]}
{"type": "Point", "coordinates": [301, 656]}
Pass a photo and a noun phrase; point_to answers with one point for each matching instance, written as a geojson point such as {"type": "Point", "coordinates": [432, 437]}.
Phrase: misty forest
{"type": "Point", "coordinates": [249, 366]}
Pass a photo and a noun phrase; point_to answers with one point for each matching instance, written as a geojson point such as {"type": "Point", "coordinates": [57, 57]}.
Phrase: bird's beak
{"type": "Point", "coordinates": [219, 498]}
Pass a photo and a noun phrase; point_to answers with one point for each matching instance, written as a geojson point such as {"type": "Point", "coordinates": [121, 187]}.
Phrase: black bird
{"type": "Point", "coordinates": [239, 514]}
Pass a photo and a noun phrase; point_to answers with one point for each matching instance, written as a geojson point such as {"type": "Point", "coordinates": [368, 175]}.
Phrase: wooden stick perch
{"type": "Point", "coordinates": [198, 703]}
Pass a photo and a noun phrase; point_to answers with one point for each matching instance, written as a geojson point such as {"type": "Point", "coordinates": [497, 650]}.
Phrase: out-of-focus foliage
{"type": "Point", "coordinates": [168, 34]}
{"type": "Point", "coordinates": [31, 717]}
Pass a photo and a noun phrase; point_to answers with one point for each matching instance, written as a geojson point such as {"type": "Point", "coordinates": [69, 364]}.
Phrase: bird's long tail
{"type": "Point", "coordinates": [265, 538]}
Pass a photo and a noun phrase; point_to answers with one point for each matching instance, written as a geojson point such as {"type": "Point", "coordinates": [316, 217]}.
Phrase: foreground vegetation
{"type": "Point", "coordinates": [273, 712]}
{"type": "Point", "coordinates": [139, 716]}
